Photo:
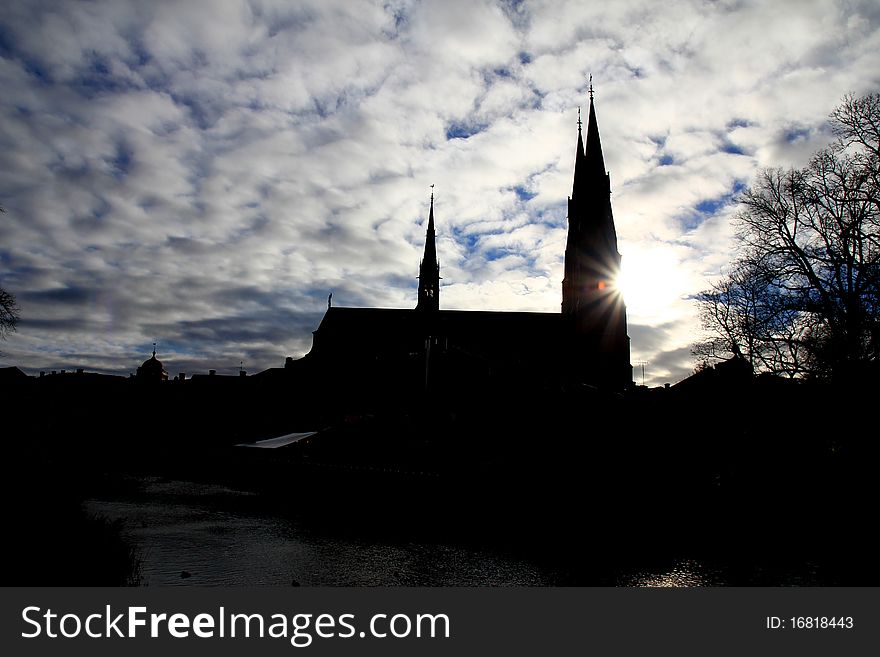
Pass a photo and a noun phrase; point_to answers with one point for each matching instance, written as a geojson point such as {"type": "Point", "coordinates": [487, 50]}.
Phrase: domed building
{"type": "Point", "coordinates": [152, 369]}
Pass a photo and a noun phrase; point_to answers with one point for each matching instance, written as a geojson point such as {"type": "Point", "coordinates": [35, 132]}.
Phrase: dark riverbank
{"type": "Point", "coordinates": [761, 483]}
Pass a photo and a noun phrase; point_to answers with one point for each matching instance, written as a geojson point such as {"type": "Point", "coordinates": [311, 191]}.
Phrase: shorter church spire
{"type": "Point", "coordinates": [431, 214]}
{"type": "Point", "coordinates": [580, 164]}
{"type": "Point", "coordinates": [429, 269]}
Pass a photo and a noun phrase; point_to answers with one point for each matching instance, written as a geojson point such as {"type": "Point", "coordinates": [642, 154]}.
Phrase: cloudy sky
{"type": "Point", "coordinates": [203, 174]}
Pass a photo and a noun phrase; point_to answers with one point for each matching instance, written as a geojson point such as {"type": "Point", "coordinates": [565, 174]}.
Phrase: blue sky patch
{"type": "Point", "coordinates": [496, 253]}
{"type": "Point", "coordinates": [102, 210]}
{"type": "Point", "coordinates": [120, 163]}
{"type": "Point", "coordinates": [141, 54]}
{"type": "Point", "coordinates": [796, 133]}
{"type": "Point", "coordinates": [6, 49]}
{"type": "Point", "coordinates": [469, 240]}
{"type": "Point", "coordinates": [730, 147]}
{"type": "Point", "coordinates": [69, 295]}
{"type": "Point", "coordinates": [710, 206]}
{"type": "Point", "coordinates": [523, 194]}
{"type": "Point", "coordinates": [36, 70]}
{"type": "Point", "coordinates": [200, 113]}
{"type": "Point", "coordinates": [463, 130]}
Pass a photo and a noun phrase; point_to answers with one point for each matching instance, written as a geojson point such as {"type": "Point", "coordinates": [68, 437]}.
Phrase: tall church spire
{"type": "Point", "coordinates": [591, 257]}
{"type": "Point", "coordinates": [429, 269]}
{"type": "Point", "coordinates": [593, 151]}
{"type": "Point", "coordinates": [590, 299]}
{"type": "Point", "coordinates": [589, 168]}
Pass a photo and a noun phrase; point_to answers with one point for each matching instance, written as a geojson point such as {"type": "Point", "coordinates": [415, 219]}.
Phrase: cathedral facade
{"type": "Point", "coordinates": [585, 343]}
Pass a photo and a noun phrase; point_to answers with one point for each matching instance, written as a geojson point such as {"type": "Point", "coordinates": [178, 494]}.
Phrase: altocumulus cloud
{"type": "Point", "coordinates": [205, 173]}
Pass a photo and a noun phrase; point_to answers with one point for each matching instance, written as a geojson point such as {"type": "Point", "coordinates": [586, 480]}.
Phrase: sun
{"type": "Point", "coordinates": [651, 281]}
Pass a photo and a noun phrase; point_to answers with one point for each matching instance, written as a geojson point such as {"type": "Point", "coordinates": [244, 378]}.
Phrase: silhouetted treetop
{"type": "Point", "coordinates": [802, 296]}
{"type": "Point", "coordinates": [8, 313]}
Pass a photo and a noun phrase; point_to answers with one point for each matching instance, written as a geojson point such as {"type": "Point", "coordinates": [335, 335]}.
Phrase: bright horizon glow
{"type": "Point", "coordinates": [652, 280]}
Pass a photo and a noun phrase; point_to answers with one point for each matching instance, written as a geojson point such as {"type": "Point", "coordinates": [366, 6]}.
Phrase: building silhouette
{"type": "Point", "coordinates": [592, 306]}
{"type": "Point", "coordinates": [152, 369]}
{"type": "Point", "coordinates": [425, 347]}
{"type": "Point", "coordinates": [429, 269]}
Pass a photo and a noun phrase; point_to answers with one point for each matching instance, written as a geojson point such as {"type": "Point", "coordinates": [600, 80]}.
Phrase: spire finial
{"type": "Point", "coordinates": [432, 195]}
{"type": "Point", "coordinates": [579, 118]}
{"type": "Point", "coordinates": [591, 86]}
{"type": "Point", "coordinates": [154, 350]}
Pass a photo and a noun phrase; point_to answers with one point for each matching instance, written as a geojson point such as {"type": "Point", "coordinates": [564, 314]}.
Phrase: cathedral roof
{"type": "Point", "coordinates": [488, 320]}
{"type": "Point", "coordinates": [349, 331]}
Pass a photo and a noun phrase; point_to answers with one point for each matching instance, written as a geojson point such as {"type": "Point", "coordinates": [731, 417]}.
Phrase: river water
{"type": "Point", "coordinates": [203, 534]}
{"type": "Point", "coordinates": [188, 533]}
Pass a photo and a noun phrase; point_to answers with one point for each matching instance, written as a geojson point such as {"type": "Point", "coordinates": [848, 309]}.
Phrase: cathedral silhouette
{"type": "Point", "coordinates": [426, 347]}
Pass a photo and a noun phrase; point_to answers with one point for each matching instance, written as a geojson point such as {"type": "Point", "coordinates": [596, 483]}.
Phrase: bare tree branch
{"type": "Point", "coordinates": [803, 294]}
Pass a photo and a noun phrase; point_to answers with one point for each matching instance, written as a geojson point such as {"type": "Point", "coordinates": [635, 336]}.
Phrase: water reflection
{"type": "Point", "coordinates": [686, 572]}
{"type": "Point", "coordinates": [210, 535]}
{"type": "Point", "coordinates": [205, 534]}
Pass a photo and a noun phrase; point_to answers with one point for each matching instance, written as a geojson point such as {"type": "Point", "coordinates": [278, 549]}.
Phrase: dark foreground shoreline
{"type": "Point", "coordinates": [767, 482]}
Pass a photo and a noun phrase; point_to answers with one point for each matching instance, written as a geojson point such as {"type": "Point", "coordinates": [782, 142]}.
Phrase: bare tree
{"type": "Point", "coordinates": [8, 308]}
{"type": "Point", "coordinates": [8, 313]}
{"type": "Point", "coordinates": [744, 315]}
{"type": "Point", "coordinates": [803, 294]}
